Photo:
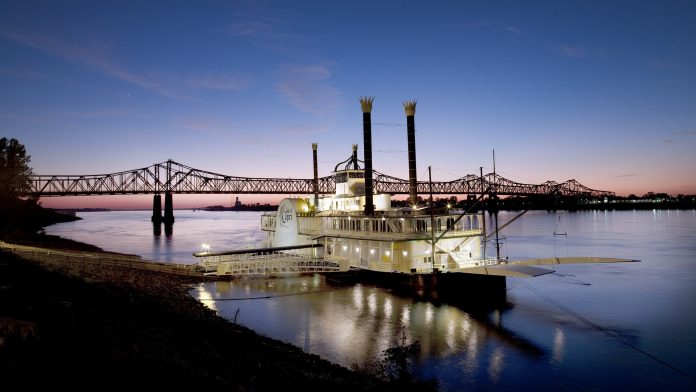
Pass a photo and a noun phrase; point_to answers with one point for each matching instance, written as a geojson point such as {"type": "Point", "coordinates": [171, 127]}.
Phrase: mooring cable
{"type": "Point", "coordinates": [606, 331]}
{"type": "Point", "coordinates": [267, 296]}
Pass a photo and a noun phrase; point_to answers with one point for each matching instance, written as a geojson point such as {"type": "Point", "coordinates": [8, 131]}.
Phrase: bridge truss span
{"type": "Point", "coordinates": [174, 177]}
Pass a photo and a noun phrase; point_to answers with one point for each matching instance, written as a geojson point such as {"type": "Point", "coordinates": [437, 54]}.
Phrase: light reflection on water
{"type": "Point", "coordinates": [526, 343]}
{"type": "Point", "coordinates": [347, 324]}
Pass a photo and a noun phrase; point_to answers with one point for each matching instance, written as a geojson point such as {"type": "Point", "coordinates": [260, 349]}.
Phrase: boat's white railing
{"type": "Point", "coordinates": [272, 263]}
{"type": "Point", "coordinates": [293, 264]}
{"type": "Point", "coordinates": [480, 262]}
{"type": "Point", "coordinates": [386, 225]}
{"type": "Point", "coordinates": [385, 235]}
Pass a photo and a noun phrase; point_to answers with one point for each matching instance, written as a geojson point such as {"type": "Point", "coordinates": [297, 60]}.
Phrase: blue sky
{"type": "Point", "coordinates": [600, 91]}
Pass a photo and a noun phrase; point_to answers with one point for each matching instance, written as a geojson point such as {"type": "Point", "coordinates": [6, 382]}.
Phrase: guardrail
{"type": "Point", "coordinates": [275, 263]}
{"type": "Point", "coordinates": [74, 258]}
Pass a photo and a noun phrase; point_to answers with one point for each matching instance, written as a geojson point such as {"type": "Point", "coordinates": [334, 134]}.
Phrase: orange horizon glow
{"type": "Point", "coordinates": [189, 201]}
{"type": "Point", "coordinates": [144, 202]}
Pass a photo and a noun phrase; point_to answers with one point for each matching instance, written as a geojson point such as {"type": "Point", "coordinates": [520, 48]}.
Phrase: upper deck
{"type": "Point", "coordinates": [387, 226]}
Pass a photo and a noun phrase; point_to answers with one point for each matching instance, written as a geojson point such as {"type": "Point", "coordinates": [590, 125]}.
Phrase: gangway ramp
{"type": "Point", "coordinates": [267, 261]}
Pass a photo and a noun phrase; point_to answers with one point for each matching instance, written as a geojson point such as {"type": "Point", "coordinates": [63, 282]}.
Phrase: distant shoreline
{"type": "Point", "coordinates": [599, 207]}
{"type": "Point", "coordinates": [544, 202]}
{"type": "Point", "coordinates": [242, 207]}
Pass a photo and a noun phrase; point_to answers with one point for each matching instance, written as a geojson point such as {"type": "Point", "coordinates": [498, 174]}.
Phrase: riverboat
{"type": "Point", "coordinates": [356, 233]}
{"type": "Point", "coordinates": [415, 246]}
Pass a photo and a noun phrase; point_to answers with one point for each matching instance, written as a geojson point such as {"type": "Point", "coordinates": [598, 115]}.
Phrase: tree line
{"type": "Point", "coordinates": [20, 212]}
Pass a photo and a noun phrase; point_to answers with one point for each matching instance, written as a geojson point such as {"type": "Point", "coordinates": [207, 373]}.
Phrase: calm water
{"type": "Point", "coordinates": [586, 327]}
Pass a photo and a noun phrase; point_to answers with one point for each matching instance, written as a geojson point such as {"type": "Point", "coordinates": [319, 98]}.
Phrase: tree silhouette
{"type": "Point", "coordinates": [15, 172]}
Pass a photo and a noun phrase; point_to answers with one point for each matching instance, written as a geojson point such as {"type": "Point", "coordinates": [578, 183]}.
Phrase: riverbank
{"type": "Point", "coordinates": [109, 328]}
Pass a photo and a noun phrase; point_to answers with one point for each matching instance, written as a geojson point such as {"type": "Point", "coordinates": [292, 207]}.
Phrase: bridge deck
{"type": "Point", "coordinates": [173, 177]}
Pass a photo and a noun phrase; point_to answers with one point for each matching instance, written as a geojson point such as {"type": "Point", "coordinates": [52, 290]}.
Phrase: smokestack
{"type": "Point", "coordinates": [355, 157]}
{"type": "Point", "coordinates": [366, 104]}
{"type": "Point", "coordinates": [410, 108]}
{"type": "Point", "coordinates": [316, 175]}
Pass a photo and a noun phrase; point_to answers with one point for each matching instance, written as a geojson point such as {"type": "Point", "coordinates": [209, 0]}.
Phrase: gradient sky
{"type": "Point", "coordinates": [600, 91]}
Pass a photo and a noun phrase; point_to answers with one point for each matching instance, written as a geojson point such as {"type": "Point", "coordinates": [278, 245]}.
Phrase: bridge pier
{"type": "Point", "coordinates": [157, 209]}
{"type": "Point", "coordinates": [168, 209]}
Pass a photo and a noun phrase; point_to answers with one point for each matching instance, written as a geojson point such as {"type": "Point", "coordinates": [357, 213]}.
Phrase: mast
{"type": "Point", "coordinates": [483, 215]}
{"type": "Point", "coordinates": [494, 192]}
{"type": "Point", "coordinates": [315, 181]}
{"type": "Point", "coordinates": [432, 219]}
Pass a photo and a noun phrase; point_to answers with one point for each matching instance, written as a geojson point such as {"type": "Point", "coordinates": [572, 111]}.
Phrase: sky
{"type": "Point", "coordinates": [603, 92]}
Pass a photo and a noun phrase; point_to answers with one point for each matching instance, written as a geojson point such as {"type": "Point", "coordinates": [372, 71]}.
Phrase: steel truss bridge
{"type": "Point", "coordinates": [173, 177]}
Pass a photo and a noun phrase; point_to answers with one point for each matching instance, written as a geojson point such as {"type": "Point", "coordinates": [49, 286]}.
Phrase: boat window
{"type": "Point", "coordinates": [356, 174]}
{"type": "Point", "coordinates": [341, 178]}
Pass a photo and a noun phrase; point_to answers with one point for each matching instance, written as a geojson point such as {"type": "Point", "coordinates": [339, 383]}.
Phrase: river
{"type": "Point", "coordinates": [585, 327]}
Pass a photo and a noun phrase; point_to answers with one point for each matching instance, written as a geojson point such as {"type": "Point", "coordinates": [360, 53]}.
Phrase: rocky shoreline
{"type": "Point", "coordinates": [109, 328]}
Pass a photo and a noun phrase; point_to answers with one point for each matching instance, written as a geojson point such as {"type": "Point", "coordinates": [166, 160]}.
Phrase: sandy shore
{"type": "Point", "coordinates": [108, 328]}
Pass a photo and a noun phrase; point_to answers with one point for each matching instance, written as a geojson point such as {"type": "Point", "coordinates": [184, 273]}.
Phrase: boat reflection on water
{"type": "Point", "coordinates": [354, 324]}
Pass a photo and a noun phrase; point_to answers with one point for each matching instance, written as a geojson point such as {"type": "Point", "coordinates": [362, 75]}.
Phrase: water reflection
{"type": "Point", "coordinates": [558, 346]}
{"type": "Point", "coordinates": [496, 363]}
{"type": "Point", "coordinates": [643, 304]}
{"type": "Point", "coordinates": [206, 297]}
{"type": "Point", "coordinates": [353, 324]}
{"type": "Point", "coordinates": [156, 229]}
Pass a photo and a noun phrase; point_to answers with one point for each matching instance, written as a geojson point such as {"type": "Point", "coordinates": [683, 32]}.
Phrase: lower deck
{"type": "Point", "coordinates": [413, 256]}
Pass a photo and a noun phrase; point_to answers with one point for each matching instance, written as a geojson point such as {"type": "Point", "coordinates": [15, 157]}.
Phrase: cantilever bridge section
{"type": "Point", "coordinates": [173, 177]}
